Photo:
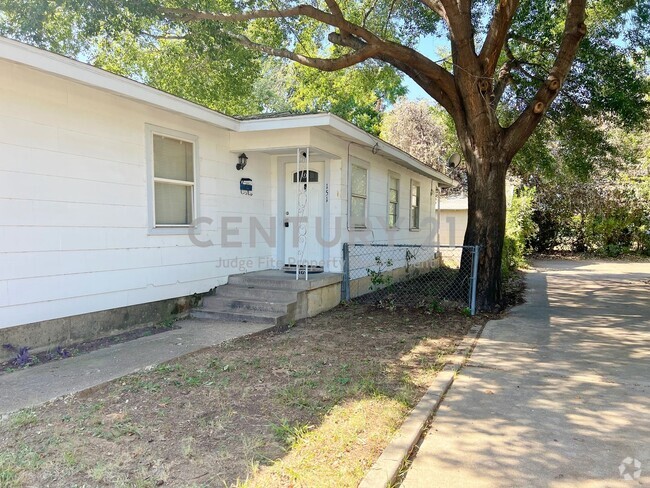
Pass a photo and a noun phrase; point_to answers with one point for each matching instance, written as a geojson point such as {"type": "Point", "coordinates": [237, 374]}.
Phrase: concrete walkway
{"type": "Point", "coordinates": [557, 394]}
{"type": "Point", "coordinates": [38, 384]}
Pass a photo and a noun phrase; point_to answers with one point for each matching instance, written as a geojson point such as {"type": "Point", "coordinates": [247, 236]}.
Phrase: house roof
{"type": "Point", "coordinates": [454, 203]}
{"type": "Point", "coordinates": [86, 74]}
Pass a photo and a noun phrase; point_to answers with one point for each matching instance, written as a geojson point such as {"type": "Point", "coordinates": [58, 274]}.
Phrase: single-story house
{"type": "Point", "coordinates": [119, 202]}
{"type": "Point", "coordinates": [453, 220]}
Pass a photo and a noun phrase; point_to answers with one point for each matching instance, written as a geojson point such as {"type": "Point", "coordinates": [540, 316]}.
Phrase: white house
{"type": "Point", "coordinates": [453, 220]}
{"type": "Point", "coordinates": [119, 201]}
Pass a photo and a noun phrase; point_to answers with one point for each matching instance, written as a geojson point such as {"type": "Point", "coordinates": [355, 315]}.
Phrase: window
{"type": "Point", "coordinates": [415, 205]}
{"type": "Point", "coordinates": [358, 196]}
{"type": "Point", "coordinates": [313, 176]}
{"type": "Point", "coordinates": [393, 200]}
{"type": "Point", "coordinates": [173, 181]}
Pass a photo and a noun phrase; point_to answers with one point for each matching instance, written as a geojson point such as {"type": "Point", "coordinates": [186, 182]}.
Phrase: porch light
{"type": "Point", "coordinates": [243, 159]}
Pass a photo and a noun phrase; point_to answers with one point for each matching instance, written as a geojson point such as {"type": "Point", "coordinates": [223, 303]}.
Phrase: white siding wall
{"type": "Point", "coordinates": [74, 234]}
{"type": "Point", "coordinates": [378, 173]}
{"type": "Point", "coordinates": [453, 224]}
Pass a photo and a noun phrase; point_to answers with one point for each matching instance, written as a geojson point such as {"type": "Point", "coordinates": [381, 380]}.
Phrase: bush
{"type": "Point", "coordinates": [520, 228]}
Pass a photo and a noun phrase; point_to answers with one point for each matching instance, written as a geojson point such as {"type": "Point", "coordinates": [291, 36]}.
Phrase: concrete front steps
{"type": "Point", "coordinates": [271, 297]}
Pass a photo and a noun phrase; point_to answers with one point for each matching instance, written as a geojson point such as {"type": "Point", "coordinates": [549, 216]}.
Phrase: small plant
{"type": "Point", "coordinates": [467, 312]}
{"type": "Point", "coordinates": [378, 278]}
{"type": "Point", "coordinates": [166, 323]}
{"type": "Point", "coordinates": [59, 352]}
{"type": "Point", "coordinates": [434, 306]}
{"type": "Point", "coordinates": [290, 433]}
{"type": "Point", "coordinates": [23, 357]}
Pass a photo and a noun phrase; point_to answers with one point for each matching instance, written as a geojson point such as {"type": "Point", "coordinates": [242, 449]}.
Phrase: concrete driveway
{"type": "Point", "coordinates": [557, 394]}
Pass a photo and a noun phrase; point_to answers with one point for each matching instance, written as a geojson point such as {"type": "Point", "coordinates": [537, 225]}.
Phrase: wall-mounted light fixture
{"type": "Point", "coordinates": [243, 159]}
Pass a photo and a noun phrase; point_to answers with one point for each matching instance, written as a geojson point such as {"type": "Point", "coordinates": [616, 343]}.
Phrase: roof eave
{"type": "Point", "coordinates": [359, 135]}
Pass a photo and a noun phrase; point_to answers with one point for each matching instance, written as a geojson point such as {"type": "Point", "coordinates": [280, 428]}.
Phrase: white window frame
{"type": "Point", "coordinates": [150, 132]}
{"type": "Point", "coordinates": [394, 176]}
{"type": "Point", "coordinates": [364, 166]}
{"type": "Point", "coordinates": [412, 227]}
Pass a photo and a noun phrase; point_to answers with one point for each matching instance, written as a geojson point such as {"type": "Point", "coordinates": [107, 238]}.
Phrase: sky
{"type": "Point", "coordinates": [433, 47]}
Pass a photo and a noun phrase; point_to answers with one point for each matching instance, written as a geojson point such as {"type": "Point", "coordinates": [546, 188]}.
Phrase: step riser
{"type": "Point", "coordinates": [255, 306]}
{"type": "Point", "coordinates": [243, 293]}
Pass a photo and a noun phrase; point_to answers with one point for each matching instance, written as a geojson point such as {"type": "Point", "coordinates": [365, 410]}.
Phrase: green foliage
{"type": "Point", "coordinates": [199, 61]}
{"type": "Point", "coordinates": [605, 211]}
{"type": "Point", "coordinates": [520, 227]}
{"type": "Point", "coordinates": [358, 94]}
{"type": "Point", "coordinates": [378, 277]}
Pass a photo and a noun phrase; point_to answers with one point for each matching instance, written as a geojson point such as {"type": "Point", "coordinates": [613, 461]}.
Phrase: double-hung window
{"type": "Point", "coordinates": [393, 200]}
{"type": "Point", "coordinates": [173, 162]}
{"type": "Point", "coordinates": [415, 206]}
{"type": "Point", "coordinates": [358, 196]}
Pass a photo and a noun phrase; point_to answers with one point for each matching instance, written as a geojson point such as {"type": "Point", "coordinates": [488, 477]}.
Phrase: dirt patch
{"type": "Point", "coordinates": [313, 406]}
{"type": "Point", "coordinates": [514, 288]}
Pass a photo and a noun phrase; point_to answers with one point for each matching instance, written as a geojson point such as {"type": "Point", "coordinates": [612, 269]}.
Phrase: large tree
{"type": "Point", "coordinates": [509, 63]}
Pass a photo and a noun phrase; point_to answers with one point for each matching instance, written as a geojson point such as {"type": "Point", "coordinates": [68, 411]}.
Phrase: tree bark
{"type": "Point", "coordinates": [486, 226]}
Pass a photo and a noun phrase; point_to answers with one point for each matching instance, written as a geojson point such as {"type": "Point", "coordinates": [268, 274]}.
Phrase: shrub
{"type": "Point", "coordinates": [520, 227]}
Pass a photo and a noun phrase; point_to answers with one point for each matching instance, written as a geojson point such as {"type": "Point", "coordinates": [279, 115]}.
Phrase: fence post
{"type": "Point", "coordinates": [475, 255]}
{"type": "Point", "coordinates": [345, 288]}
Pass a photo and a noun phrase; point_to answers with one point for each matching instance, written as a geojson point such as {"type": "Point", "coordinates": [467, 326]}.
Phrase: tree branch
{"type": "Point", "coordinates": [437, 81]}
{"type": "Point", "coordinates": [323, 64]}
{"type": "Point", "coordinates": [503, 80]}
{"type": "Point", "coordinates": [437, 7]}
{"type": "Point", "coordinates": [574, 30]}
{"type": "Point", "coordinates": [334, 20]}
{"type": "Point", "coordinates": [532, 42]}
{"type": "Point", "coordinates": [497, 35]}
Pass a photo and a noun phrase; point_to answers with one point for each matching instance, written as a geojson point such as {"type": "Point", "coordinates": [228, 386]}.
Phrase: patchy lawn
{"type": "Point", "coordinates": [312, 406]}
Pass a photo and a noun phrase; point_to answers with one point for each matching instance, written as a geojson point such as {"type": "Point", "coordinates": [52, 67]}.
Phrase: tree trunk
{"type": "Point", "coordinates": [486, 224]}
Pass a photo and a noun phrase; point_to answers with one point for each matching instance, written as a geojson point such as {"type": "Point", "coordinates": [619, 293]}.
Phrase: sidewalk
{"type": "Point", "coordinates": [557, 394]}
{"type": "Point", "coordinates": [38, 384]}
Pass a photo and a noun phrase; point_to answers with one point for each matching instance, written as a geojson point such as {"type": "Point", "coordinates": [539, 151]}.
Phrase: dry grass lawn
{"type": "Point", "coordinates": [312, 406]}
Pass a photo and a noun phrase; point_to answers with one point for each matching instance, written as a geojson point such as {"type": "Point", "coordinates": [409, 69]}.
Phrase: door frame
{"type": "Point", "coordinates": [282, 162]}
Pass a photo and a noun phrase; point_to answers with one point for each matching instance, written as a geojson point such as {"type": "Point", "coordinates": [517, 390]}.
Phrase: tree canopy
{"type": "Point", "coordinates": [513, 65]}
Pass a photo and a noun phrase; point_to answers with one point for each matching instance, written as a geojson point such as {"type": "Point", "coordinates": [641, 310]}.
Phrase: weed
{"type": "Point", "coordinates": [378, 278]}
{"type": "Point", "coordinates": [167, 368]}
{"type": "Point", "coordinates": [295, 396]}
{"type": "Point", "coordinates": [13, 462]}
{"type": "Point", "coordinates": [187, 447]}
{"type": "Point", "coordinates": [70, 459]}
{"type": "Point", "coordinates": [343, 380]}
{"type": "Point", "coordinates": [289, 434]}
{"type": "Point", "coordinates": [23, 418]}
{"type": "Point", "coordinates": [219, 365]}
{"type": "Point", "coordinates": [167, 323]}
{"type": "Point", "coordinates": [434, 306]}
{"type": "Point", "coordinates": [467, 312]}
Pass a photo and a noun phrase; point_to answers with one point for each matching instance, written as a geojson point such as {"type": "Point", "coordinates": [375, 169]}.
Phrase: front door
{"type": "Point", "coordinates": [304, 198]}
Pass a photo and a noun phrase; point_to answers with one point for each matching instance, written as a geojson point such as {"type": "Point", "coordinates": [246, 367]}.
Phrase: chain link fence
{"type": "Point", "coordinates": [405, 275]}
